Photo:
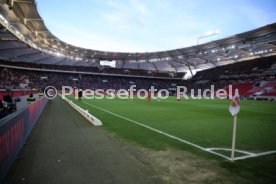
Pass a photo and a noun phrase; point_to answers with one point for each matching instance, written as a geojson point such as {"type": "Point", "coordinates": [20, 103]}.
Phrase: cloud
{"type": "Point", "coordinates": [139, 7]}
{"type": "Point", "coordinates": [126, 16]}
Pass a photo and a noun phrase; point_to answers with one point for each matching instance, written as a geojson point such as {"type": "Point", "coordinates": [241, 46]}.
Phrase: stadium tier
{"type": "Point", "coordinates": [258, 79]}
{"type": "Point", "coordinates": [69, 114]}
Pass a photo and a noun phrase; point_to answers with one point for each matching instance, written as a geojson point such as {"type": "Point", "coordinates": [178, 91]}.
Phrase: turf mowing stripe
{"type": "Point", "coordinates": [159, 131]}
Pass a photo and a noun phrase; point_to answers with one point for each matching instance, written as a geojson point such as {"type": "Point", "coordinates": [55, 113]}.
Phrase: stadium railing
{"type": "Point", "coordinates": [14, 131]}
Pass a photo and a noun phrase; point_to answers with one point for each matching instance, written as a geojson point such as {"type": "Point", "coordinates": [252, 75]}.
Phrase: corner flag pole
{"type": "Point", "coordinates": [234, 110]}
{"type": "Point", "coordinates": [234, 138]}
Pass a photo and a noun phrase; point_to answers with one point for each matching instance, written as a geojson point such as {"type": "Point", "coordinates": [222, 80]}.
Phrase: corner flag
{"type": "Point", "coordinates": [235, 104]}
{"type": "Point", "coordinates": [234, 110]}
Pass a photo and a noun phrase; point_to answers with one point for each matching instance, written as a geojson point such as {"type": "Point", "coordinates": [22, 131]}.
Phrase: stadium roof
{"type": "Point", "coordinates": [22, 19]}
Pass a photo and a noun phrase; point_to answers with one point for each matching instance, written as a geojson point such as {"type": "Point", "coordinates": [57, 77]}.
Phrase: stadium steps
{"type": "Point", "coordinates": [242, 87]}
{"type": "Point", "coordinates": [271, 93]}
{"type": "Point", "coordinates": [247, 88]}
{"type": "Point", "coordinates": [65, 148]}
{"type": "Point", "coordinates": [260, 88]}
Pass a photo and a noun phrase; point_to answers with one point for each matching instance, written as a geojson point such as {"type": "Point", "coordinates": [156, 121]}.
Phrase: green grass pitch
{"type": "Point", "coordinates": [206, 123]}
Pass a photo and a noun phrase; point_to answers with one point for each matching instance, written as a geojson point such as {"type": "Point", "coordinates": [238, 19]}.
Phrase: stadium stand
{"type": "Point", "coordinates": [249, 77]}
{"type": "Point", "coordinates": [32, 58]}
{"type": "Point", "coordinates": [40, 79]}
{"type": "Point", "coordinates": [253, 77]}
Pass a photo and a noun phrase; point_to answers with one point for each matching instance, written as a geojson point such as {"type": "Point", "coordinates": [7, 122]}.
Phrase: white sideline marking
{"type": "Point", "coordinates": [236, 150]}
{"type": "Point", "coordinates": [160, 132]}
{"type": "Point", "coordinates": [218, 154]}
{"type": "Point", "coordinates": [255, 155]}
{"type": "Point", "coordinates": [248, 154]}
{"type": "Point", "coordinates": [209, 150]}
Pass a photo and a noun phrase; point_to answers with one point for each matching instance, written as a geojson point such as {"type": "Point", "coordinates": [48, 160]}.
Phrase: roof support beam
{"type": "Point", "coordinates": [42, 31]}
{"type": "Point", "coordinates": [22, 1]}
{"type": "Point", "coordinates": [14, 22]}
{"type": "Point", "coordinates": [25, 20]}
{"type": "Point", "coordinates": [11, 2]}
{"type": "Point", "coordinates": [154, 65]}
{"type": "Point", "coordinates": [190, 70]}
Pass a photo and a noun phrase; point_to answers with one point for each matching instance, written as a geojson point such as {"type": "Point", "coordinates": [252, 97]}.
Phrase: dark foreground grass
{"type": "Point", "coordinates": [203, 122]}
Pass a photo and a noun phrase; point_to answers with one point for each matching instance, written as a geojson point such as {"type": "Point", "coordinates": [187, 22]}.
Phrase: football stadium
{"type": "Point", "coordinates": [147, 94]}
